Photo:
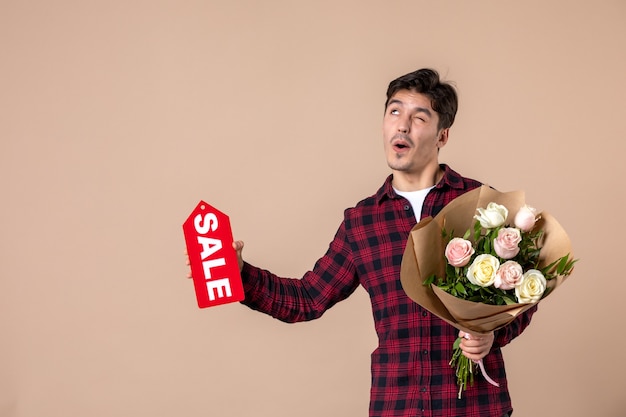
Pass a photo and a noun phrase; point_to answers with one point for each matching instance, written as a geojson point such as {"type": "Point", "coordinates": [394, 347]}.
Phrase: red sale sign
{"type": "Point", "coordinates": [212, 259]}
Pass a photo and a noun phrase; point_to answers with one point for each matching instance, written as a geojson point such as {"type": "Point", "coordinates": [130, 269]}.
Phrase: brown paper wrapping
{"type": "Point", "coordinates": [424, 256]}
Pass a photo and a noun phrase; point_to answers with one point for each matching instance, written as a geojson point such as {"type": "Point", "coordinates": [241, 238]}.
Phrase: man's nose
{"type": "Point", "coordinates": [403, 126]}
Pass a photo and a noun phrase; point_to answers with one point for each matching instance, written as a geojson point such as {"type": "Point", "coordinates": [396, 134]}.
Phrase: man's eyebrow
{"type": "Point", "coordinates": [416, 109]}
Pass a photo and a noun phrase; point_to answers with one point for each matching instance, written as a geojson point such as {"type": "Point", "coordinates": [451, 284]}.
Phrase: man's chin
{"type": "Point", "coordinates": [398, 166]}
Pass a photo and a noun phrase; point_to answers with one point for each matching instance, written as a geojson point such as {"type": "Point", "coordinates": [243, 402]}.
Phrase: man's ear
{"type": "Point", "coordinates": [443, 137]}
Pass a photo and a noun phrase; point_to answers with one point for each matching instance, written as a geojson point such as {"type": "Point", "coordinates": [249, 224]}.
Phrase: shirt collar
{"type": "Point", "coordinates": [450, 179]}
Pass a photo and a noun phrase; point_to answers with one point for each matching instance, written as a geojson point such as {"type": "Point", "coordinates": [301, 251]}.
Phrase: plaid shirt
{"type": "Point", "coordinates": [411, 375]}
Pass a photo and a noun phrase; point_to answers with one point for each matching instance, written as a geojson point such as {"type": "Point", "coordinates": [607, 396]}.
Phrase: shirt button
{"type": "Point", "coordinates": [407, 207]}
{"type": "Point", "coordinates": [425, 352]}
{"type": "Point", "coordinates": [424, 313]}
{"type": "Point", "coordinates": [423, 390]}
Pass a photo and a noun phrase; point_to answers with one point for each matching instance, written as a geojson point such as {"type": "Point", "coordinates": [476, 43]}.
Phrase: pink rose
{"type": "Point", "coordinates": [525, 218]}
{"type": "Point", "coordinates": [508, 275]}
{"type": "Point", "coordinates": [459, 251]}
{"type": "Point", "coordinates": [506, 244]}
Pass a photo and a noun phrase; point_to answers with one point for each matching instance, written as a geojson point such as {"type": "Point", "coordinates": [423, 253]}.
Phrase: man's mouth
{"type": "Point", "coordinates": [400, 143]}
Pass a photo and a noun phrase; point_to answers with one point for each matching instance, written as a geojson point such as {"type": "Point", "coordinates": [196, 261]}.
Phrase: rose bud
{"type": "Point", "coordinates": [525, 218]}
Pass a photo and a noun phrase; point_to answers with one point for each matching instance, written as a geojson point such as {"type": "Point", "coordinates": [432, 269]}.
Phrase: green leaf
{"type": "Point", "coordinates": [561, 266]}
{"type": "Point", "coordinates": [477, 230]}
{"type": "Point", "coordinates": [460, 288]}
{"type": "Point", "coordinates": [551, 266]}
{"type": "Point", "coordinates": [457, 343]}
{"type": "Point", "coordinates": [509, 300]}
{"type": "Point", "coordinates": [570, 265]}
{"type": "Point", "coordinates": [430, 280]}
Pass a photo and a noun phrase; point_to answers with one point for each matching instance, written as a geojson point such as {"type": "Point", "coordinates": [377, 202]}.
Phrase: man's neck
{"type": "Point", "coordinates": [409, 181]}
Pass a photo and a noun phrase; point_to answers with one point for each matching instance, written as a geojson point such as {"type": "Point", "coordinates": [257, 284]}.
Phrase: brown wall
{"type": "Point", "coordinates": [116, 117]}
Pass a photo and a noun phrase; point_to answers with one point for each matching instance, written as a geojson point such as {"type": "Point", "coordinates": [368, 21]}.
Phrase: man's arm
{"type": "Point", "coordinates": [509, 332]}
{"type": "Point", "coordinates": [332, 279]}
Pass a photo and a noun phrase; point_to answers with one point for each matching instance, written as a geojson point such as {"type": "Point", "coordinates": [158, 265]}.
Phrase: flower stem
{"type": "Point", "coordinates": [464, 367]}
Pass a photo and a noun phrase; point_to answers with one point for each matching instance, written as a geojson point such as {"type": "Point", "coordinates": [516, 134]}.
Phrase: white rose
{"type": "Point", "coordinates": [493, 216]}
{"type": "Point", "coordinates": [483, 270]}
{"type": "Point", "coordinates": [531, 288]}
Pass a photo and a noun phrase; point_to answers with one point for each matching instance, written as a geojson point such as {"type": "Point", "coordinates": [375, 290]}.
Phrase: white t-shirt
{"type": "Point", "coordinates": [416, 198]}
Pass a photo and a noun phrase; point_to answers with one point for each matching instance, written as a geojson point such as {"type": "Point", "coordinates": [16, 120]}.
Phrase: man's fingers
{"type": "Point", "coordinates": [187, 263]}
{"type": "Point", "coordinates": [238, 246]}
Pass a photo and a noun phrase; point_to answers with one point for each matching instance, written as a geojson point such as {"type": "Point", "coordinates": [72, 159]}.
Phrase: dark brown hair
{"type": "Point", "coordinates": [443, 97]}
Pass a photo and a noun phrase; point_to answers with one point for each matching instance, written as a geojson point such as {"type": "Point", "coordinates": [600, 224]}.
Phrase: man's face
{"type": "Point", "coordinates": [410, 133]}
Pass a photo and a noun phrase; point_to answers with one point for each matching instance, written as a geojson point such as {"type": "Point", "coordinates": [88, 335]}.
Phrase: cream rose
{"type": "Point", "coordinates": [493, 216]}
{"type": "Point", "coordinates": [483, 270]}
{"type": "Point", "coordinates": [459, 251]}
{"type": "Point", "coordinates": [525, 218]}
{"type": "Point", "coordinates": [531, 288]}
{"type": "Point", "coordinates": [506, 244]}
{"type": "Point", "coordinates": [508, 275]}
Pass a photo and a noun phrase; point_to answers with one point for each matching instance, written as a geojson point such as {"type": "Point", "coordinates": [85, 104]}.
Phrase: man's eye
{"type": "Point", "coordinates": [394, 112]}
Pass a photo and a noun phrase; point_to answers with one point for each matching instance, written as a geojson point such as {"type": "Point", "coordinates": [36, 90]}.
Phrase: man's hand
{"type": "Point", "coordinates": [475, 346]}
{"type": "Point", "coordinates": [237, 245]}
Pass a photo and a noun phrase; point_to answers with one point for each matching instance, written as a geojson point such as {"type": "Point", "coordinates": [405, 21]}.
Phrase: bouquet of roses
{"type": "Point", "coordinates": [506, 260]}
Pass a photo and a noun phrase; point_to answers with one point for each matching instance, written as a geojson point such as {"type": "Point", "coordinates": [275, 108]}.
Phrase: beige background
{"type": "Point", "coordinates": [117, 117]}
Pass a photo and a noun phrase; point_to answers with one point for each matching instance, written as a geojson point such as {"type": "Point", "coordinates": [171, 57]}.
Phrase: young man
{"type": "Point", "coordinates": [410, 371]}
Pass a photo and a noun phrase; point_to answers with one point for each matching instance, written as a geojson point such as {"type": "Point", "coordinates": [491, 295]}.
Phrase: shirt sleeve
{"type": "Point", "coordinates": [509, 332]}
{"type": "Point", "coordinates": [332, 279]}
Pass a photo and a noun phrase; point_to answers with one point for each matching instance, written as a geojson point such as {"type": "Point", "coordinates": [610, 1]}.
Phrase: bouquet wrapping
{"type": "Point", "coordinates": [424, 264]}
